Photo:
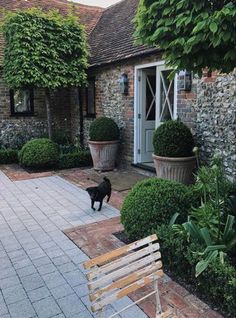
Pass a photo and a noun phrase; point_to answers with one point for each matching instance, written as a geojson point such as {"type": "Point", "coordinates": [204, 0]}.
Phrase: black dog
{"type": "Point", "coordinates": [97, 194]}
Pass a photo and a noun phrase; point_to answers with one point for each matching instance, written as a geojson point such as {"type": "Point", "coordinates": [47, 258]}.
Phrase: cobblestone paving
{"type": "Point", "coordinates": [41, 272]}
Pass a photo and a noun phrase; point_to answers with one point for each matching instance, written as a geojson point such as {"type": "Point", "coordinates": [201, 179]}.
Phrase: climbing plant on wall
{"type": "Point", "coordinates": [193, 34]}
{"type": "Point", "coordinates": [44, 50]}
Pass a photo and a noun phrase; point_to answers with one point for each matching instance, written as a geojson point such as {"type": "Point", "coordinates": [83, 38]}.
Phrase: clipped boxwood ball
{"type": "Point", "coordinates": [173, 139]}
{"type": "Point", "coordinates": [153, 202]}
{"type": "Point", "coordinates": [39, 153]}
{"type": "Point", "coordinates": [104, 129]}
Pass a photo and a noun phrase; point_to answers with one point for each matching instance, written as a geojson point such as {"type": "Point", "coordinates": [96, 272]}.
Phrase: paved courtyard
{"type": "Point", "coordinates": [41, 273]}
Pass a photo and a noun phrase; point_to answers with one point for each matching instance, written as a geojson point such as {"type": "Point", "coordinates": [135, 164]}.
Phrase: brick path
{"type": "Point", "coordinates": [96, 239]}
{"type": "Point", "coordinates": [41, 274]}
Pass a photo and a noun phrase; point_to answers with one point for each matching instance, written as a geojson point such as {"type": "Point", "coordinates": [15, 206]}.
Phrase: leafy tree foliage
{"type": "Point", "coordinates": [193, 34]}
{"type": "Point", "coordinates": [44, 50]}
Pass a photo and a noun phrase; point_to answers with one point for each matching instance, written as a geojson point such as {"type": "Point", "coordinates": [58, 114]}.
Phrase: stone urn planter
{"type": "Point", "coordinates": [104, 143]}
{"type": "Point", "coordinates": [177, 169]}
{"type": "Point", "coordinates": [173, 152]}
{"type": "Point", "coordinates": [104, 154]}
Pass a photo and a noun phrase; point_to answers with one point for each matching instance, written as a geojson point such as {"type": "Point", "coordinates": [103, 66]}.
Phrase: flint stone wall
{"type": "Point", "coordinates": [215, 127]}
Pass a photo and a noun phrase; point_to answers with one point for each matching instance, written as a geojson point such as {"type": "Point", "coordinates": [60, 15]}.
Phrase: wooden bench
{"type": "Point", "coordinates": [124, 270]}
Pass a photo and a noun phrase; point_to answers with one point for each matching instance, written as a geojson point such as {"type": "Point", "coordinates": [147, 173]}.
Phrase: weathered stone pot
{"type": "Point", "coordinates": [177, 169]}
{"type": "Point", "coordinates": [104, 154]}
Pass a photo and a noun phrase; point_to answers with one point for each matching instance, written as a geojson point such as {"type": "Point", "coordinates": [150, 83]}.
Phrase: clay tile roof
{"type": "Point", "coordinates": [89, 15]}
{"type": "Point", "coordinates": [112, 38]}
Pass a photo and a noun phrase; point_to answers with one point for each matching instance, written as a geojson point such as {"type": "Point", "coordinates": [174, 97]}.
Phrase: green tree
{"type": "Point", "coordinates": [44, 50]}
{"type": "Point", "coordinates": [193, 34]}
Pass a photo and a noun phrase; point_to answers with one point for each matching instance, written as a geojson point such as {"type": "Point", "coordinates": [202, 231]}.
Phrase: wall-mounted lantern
{"type": "Point", "coordinates": [185, 81]}
{"type": "Point", "coordinates": [124, 84]}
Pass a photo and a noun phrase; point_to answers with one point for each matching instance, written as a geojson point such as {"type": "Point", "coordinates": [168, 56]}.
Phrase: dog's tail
{"type": "Point", "coordinates": [106, 179]}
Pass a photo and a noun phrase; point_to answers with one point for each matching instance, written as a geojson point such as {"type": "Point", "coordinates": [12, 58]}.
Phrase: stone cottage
{"type": "Point", "coordinates": [130, 84]}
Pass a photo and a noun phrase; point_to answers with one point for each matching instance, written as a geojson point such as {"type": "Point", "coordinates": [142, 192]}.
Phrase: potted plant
{"type": "Point", "coordinates": [173, 152]}
{"type": "Point", "coordinates": [103, 143]}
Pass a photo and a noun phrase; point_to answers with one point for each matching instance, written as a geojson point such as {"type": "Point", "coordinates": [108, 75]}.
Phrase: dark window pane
{"type": "Point", "coordinates": [151, 97]}
{"type": "Point", "coordinates": [91, 98]}
{"type": "Point", "coordinates": [21, 101]}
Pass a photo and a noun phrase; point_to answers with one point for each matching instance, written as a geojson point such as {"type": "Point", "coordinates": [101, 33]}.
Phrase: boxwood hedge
{"type": "Point", "coordinates": [153, 202]}
{"type": "Point", "coordinates": [39, 153]}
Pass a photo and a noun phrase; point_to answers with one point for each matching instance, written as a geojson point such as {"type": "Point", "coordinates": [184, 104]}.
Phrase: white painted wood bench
{"type": "Point", "coordinates": [116, 274]}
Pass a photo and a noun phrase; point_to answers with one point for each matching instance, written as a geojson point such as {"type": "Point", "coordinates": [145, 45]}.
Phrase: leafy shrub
{"type": "Point", "coordinates": [173, 139]}
{"type": "Point", "coordinates": [216, 284]}
{"type": "Point", "coordinates": [104, 129]}
{"type": "Point", "coordinates": [211, 225]}
{"type": "Point", "coordinates": [39, 153]}
{"type": "Point", "coordinates": [8, 156]}
{"type": "Point", "coordinates": [153, 202]}
{"type": "Point", "coordinates": [66, 149]}
{"type": "Point", "coordinates": [172, 250]}
{"type": "Point", "coordinates": [75, 160]}
{"type": "Point", "coordinates": [61, 137]}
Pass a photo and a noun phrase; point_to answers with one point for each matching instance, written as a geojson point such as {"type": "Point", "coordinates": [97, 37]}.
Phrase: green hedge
{"type": "Point", "coordinates": [217, 284]}
{"type": "Point", "coordinates": [8, 156]}
{"type": "Point", "coordinates": [104, 129]}
{"type": "Point", "coordinates": [39, 153]}
{"type": "Point", "coordinates": [153, 202]}
{"type": "Point", "coordinates": [75, 160]}
{"type": "Point", "coordinates": [173, 139]}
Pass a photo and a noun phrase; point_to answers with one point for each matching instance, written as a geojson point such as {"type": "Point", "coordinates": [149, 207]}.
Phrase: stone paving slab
{"type": "Point", "coordinates": [41, 273]}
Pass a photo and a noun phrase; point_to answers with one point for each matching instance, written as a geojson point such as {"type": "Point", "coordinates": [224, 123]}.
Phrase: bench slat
{"type": "Point", "coordinates": [126, 270]}
{"type": "Point", "coordinates": [127, 290]}
{"type": "Point", "coordinates": [96, 271]}
{"type": "Point", "coordinates": [121, 283]}
{"type": "Point", "coordinates": [118, 252]}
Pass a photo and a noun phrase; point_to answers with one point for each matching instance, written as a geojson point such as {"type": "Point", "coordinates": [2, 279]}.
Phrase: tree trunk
{"type": "Point", "coordinates": [49, 114]}
{"type": "Point", "coordinates": [81, 117]}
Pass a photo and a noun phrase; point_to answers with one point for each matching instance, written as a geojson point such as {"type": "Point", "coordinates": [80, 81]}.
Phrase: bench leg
{"type": "Point", "coordinates": [158, 302]}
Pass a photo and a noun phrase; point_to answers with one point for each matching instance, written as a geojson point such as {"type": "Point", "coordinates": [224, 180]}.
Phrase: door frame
{"type": "Point", "coordinates": [137, 108]}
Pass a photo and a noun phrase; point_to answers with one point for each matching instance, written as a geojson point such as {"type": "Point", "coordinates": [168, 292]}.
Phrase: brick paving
{"type": "Point", "coordinates": [41, 272]}
{"type": "Point", "coordinates": [96, 239]}
{"type": "Point", "coordinates": [15, 173]}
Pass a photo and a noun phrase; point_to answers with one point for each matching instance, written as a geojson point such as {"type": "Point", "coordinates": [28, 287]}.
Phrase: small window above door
{"type": "Point", "coordinates": [22, 102]}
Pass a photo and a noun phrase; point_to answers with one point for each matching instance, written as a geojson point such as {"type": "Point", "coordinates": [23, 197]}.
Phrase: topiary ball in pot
{"type": "Point", "coordinates": [39, 153]}
{"type": "Point", "coordinates": [104, 137]}
{"type": "Point", "coordinates": [173, 152]}
{"type": "Point", "coordinates": [104, 129]}
{"type": "Point", "coordinates": [153, 202]}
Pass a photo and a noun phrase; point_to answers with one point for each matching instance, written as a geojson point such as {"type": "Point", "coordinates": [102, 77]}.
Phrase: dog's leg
{"type": "Point", "coordinates": [100, 206]}
{"type": "Point", "coordinates": [108, 196]}
{"type": "Point", "coordinates": [92, 205]}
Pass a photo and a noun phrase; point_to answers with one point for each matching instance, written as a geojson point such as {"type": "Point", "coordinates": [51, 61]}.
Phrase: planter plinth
{"type": "Point", "coordinates": [176, 169]}
{"type": "Point", "coordinates": [104, 154]}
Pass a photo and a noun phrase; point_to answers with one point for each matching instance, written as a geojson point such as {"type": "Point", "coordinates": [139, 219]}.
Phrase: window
{"type": "Point", "coordinates": [22, 102]}
{"type": "Point", "coordinates": [90, 96]}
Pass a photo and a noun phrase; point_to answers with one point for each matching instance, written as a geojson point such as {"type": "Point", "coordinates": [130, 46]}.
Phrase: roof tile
{"type": "Point", "coordinates": [112, 38]}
